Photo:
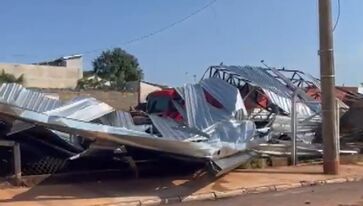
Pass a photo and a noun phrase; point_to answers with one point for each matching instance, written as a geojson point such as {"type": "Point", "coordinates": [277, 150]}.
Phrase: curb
{"type": "Point", "coordinates": [238, 192]}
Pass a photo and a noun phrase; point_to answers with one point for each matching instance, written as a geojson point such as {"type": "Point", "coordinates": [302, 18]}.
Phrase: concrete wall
{"type": "Point", "coordinates": [74, 63]}
{"type": "Point", "coordinates": [144, 88]}
{"type": "Point", "coordinates": [44, 76]}
{"type": "Point", "coordinates": [360, 90]}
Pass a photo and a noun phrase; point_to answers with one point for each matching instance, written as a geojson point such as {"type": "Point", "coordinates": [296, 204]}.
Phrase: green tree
{"type": "Point", "coordinates": [9, 78]}
{"type": "Point", "coordinates": [118, 67]}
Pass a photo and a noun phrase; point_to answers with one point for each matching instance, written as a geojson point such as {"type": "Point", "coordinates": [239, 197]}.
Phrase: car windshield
{"type": "Point", "coordinates": [157, 104]}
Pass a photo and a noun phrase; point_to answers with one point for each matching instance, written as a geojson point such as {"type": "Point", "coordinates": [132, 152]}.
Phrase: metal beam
{"type": "Point", "coordinates": [17, 162]}
{"type": "Point", "coordinates": [293, 128]}
{"type": "Point", "coordinates": [16, 158]}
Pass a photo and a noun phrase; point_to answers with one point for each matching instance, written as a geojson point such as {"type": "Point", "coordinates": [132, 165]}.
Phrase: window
{"type": "Point", "coordinates": [158, 104]}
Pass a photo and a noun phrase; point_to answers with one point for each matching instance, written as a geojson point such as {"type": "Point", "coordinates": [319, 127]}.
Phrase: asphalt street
{"type": "Point", "coordinates": [347, 194]}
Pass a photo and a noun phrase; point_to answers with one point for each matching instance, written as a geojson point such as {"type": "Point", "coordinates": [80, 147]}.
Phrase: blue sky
{"type": "Point", "coordinates": [239, 32]}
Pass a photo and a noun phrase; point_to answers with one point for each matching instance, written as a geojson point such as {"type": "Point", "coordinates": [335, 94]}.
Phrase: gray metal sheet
{"type": "Point", "coordinates": [180, 91]}
{"type": "Point", "coordinates": [283, 148]}
{"type": "Point", "coordinates": [169, 128]}
{"type": "Point", "coordinates": [285, 104]}
{"type": "Point", "coordinates": [228, 95]}
{"type": "Point", "coordinates": [201, 114]}
{"type": "Point", "coordinates": [290, 85]}
{"type": "Point", "coordinates": [180, 109]}
{"type": "Point", "coordinates": [118, 119]}
{"type": "Point", "coordinates": [19, 126]}
{"type": "Point", "coordinates": [213, 149]}
{"type": "Point", "coordinates": [236, 134]}
{"type": "Point", "coordinates": [85, 109]}
{"type": "Point", "coordinates": [258, 76]}
{"type": "Point", "coordinates": [197, 109]}
{"type": "Point", "coordinates": [277, 92]}
{"type": "Point", "coordinates": [122, 119]}
{"type": "Point", "coordinates": [32, 100]}
{"type": "Point", "coordinates": [222, 166]}
{"type": "Point", "coordinates": [309, 101]}
{"type": "Point", "coordinates": [222, 135]}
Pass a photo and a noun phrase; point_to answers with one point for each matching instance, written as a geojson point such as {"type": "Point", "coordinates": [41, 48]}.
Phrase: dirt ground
{"type": "Point", "coordinates": [118, 100]}
{"type": "Point", "coordinates": [108, 191]}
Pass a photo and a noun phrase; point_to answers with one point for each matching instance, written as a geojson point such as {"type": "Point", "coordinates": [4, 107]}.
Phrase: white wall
{"type": "Point", "coordinates": [360, 90]}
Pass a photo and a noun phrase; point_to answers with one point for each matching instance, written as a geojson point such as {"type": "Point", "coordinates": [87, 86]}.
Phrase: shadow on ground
{"type": "Point", "coordinates": [175, 180]}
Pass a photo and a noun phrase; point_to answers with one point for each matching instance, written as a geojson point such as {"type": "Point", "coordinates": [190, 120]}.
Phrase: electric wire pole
{"type": "Point", "coordinates": [328, 102]}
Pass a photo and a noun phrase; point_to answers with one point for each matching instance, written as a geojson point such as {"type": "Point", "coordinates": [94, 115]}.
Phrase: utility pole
{"type": "Point", "coordinates": [328, 102]}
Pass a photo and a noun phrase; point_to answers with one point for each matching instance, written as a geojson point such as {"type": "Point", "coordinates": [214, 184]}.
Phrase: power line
{"type": "Point", "coordinates": [158, 31]}
{"type": "Point", "coordinates": [338, 17]}
{"type": "Point", "coordinates": [162, 29]}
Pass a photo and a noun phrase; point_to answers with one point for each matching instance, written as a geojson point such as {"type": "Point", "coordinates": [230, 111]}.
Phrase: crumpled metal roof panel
{"type": "Point", "coordinates": [32, 100]}
{"type": "Point", "coordinates": [201, 114]}
{"type": "Point", "coordinates": [168, 128]}
{"type": "Point", "coordinates": [122, 119]}
{"type": "Point", "coordinates": [85, 109]}
{"type": "Point", "coordinates": [228, 95]}
{"type": "Point", "coordinates": [258, 76]}
{"type": "Point", "coordinates": [214, 133]}
{"type": "Point", "coordinates": [196, 106]}
{"type": "Point", "coordinates": [285, 104]}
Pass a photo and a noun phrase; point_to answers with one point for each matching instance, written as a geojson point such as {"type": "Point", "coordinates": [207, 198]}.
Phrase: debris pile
{"type": "Point", "coordinates": [233, 114]}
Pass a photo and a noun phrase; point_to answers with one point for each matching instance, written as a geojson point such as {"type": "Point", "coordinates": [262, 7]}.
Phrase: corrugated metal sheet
{"type": "Point", "coordinates": [291, 85]}
{"type": "Point", "coordinates": [228, 95]}
{"type": "Point", "coordinates": [180, 109]}
{"type": "Point", "coordinates": [180, 91]}
{"type": "Point", "coordinates": [168, 128]}
{"type": "Point", "coordinates": [120, 135]}
{"type": "Point", "coordinates": [316, 82]}
{"type": "Point", "coordinates": [122, 119]}
{"type": "Point", "coordinates": [285, 104]}
{"type": "Point", "coordinates": [309, 101]}
{"type": "Point", "coordinates": [236, 133]}
{"type": "Point", "coordinates": [196, 106]}
{"type": "Point", "coordinates": [10, 92]}
{"type": "Point", "coordinates": [225, 165]}
{"type": "Point", "coordinates": [85, 109]}
{"type": "Point", "coordinates": [259, 77]}
{"type": "Point", "coordinates": [216, 147]}
{"type": "Point", "coordinates": [32, 100]}
{"type": "Point", "coordinates": [201, 114]}
{"type": "Point", "coordinates": [277, 92]}
{"type": "Point", "coordinates": [213, 134]}
{"type": "Point", "coordinates": [118, 119]}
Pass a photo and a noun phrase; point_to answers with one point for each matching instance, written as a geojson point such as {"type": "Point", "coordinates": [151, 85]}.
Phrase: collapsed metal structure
{"type": "Point", "coordinates": [211, 135]}
{"type": "Point", "coordinates": [258, 105]}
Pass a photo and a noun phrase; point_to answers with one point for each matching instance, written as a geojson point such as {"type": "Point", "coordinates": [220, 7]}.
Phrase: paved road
{"type": "Point", "coordinates": [348, 194]}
